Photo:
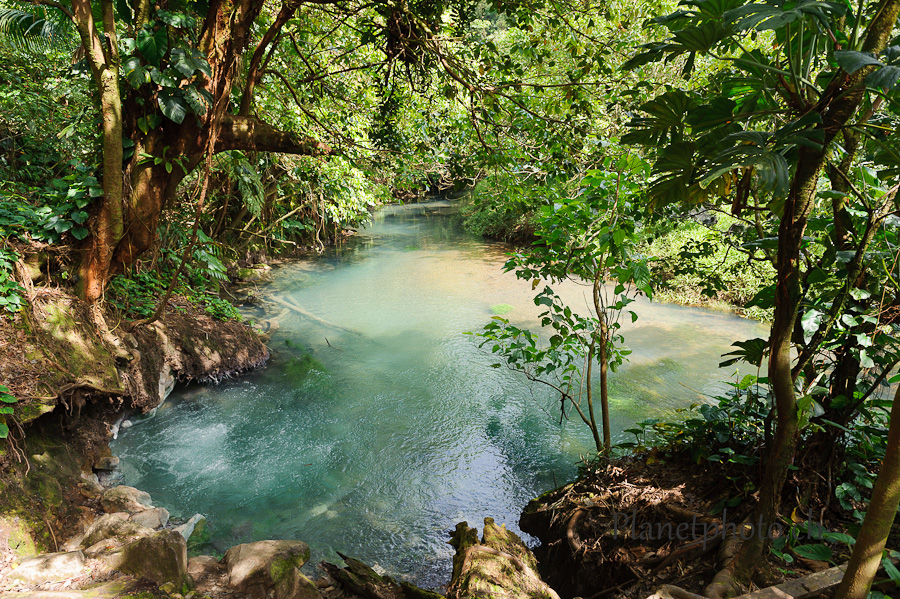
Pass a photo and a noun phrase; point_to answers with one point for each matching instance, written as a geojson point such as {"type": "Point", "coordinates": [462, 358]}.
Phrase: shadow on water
{"type": "Point", "coordinates": [376, 442]}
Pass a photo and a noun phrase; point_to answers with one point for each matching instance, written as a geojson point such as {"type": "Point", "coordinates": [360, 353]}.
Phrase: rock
{"type": "Point", "coordinates": [107, 463]}
{"type": "Point", "coordinates": [160, 557]}
{"type": "Point", "coordinates": [50, 567]}
{"type": "Point", "coordinates": [499, 567]}
{"type": "Point", "coordinates": [92, 483]}
{"type": "Point", "coordinates": [125, 499]}
{"type": "Point", "coordinates": [197, 521]}
{"type": "Point", "coordinates": [113, 525]}
{"type": "Point", "coordinates": [15, 534]}
{"type": "Point", "coordinates": [296, 586]}
{"type": "Point", "coordinates": [110, 478]}
{"type": "Point", "coordinates": [166, 382]}
{"type": "Point", "coordinates": [110, 590]}
{"type": "Point", "coordinates": [203, 567]}
{"type": "Point", "coordinates": [360, 579]}
{"type": "Point", "coordinates": [256, 568]}
{"type": "Point", "coordinates": [155, 518]}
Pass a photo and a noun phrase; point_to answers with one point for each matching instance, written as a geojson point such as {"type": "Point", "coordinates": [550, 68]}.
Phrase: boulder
{"type": "Point", "coordinates": [115, 525]}
{"type": "Point", "coordinates": [49, 567]}
{"type": "Point", "coordinates": [125, 499]}
{"type": "Point", "coordinates": [203, 567]}
{"type": "Point", "coordinates": [160, 557]}
{"type": "Point", "coordinates": [197, 524]}
{"type": "Point", "coordinates": [154, 518]}
{"type": "Point", "coordinates": [362, 580]}
{"type": "Point", "coordinates": [256, 568]}
{"type": "Point", "coordinates": [499, 567]}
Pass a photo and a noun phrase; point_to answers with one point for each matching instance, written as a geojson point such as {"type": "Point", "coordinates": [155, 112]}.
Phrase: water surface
{"type": "Point", "coordinates": [376, 436]}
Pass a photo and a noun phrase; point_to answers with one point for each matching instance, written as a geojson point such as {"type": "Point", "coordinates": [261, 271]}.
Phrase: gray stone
{"type": "Point", "coordinates": [115, 525]}
{"type": "Point", "coordinates": [91, 482]}
{"type": "Point", "coordinates": [256, 568]}
{"type": "Point", "coordinates": [187, 529]}
{"type": "Point", "coordinates": [49, 567]}
{"type": "Point", "coordinates": [160, 557]}
{"type": "Point", "coordinates": [154, 518]}
{"type": "Point", "coordinates": [125, 499]}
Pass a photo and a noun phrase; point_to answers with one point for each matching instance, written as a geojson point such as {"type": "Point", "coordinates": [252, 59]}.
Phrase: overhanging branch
{"type": "Point", "coordinates": [251, 134]}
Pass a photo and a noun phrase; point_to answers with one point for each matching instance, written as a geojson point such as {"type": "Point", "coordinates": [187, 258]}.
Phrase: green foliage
{"type": "Point", "coordinates": [10, 290]}
{"type": "Point", "coordinates": [138, 294]}
{"type": "Point", "coordinates": [731, 430]}
{"type": "Point", "coordinates": [591, 238]}
{"type": "Point", "coordinates": [6, 410]}
{"type": "Point", "coordinates": [503, 207]}
{"type": "Point", "coordinates": [696, 263]}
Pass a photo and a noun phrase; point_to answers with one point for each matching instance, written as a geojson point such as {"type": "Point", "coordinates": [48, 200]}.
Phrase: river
{"type": "Point", "coordinates": [376, 436]}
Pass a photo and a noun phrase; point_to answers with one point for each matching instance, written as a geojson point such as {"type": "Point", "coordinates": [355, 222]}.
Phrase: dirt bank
{"type": "Point", "coordinates": [71, 382]}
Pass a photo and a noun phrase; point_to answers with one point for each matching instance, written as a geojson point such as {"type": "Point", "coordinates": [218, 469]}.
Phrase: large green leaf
{"type": "Point", "coordinates": [666, 117]}
{"type": "Point", "coordinates": [818, 552]}
{"type": "Point", "coordinates": [172, 105]}
{"type": "Point", "coordinates": [885, 78]}
{"type": "Point", "coordinates": [135, 74]}
{"type": "Point", "coordinates": [852, 61]}
{"type": "Point", "coordinates": [702, 38]}
{"type": "Point", "coordinates": [194, 98]}
{"type": "Point", "coordinates": [152, 44]}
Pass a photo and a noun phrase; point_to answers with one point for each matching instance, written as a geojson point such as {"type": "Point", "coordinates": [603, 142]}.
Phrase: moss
{"type": "Point", "coordinates": [17, 535]}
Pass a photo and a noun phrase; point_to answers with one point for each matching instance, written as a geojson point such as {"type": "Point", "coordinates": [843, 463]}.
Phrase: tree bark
{"type": "Point", "coordinates": [107, 223]}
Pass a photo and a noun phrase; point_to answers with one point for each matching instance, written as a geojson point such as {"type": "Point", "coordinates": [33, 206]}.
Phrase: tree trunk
{"type": "Point", "coordinates": [124, 225]}
{"type": "Point", "coordinates": [107, 223]}
{"type": "Point", "coordinates": [870, 542]}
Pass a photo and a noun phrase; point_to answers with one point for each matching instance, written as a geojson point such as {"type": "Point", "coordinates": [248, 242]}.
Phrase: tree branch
{"type": "Point", "coordinates": [252, 134]}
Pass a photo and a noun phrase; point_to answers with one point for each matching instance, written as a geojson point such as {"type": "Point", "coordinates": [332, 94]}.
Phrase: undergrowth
{"type": "Point", "coordinates": [701, 264]}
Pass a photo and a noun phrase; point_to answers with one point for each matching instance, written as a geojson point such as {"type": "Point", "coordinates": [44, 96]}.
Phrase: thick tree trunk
{"type": "Point", "coordinates": [125, 224]}
{"type": "Point", "coordinates": [870, 542]}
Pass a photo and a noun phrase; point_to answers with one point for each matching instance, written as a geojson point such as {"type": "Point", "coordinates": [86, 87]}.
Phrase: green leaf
{"type": "Point", "coordinates": [153, 45]}
{"type": "Point", "coordinates": [884, 78]}
{"type": "Point", "coordinates": [172, 105]}
{"type": "Point", "coordinates": [4, 431]}
{"type": "Point", "coordinates": [135, 74]}
{"type": "Point", "coordinates": [890, 569]}
{"type": "Point", "coordinates": [195, 99]}
{"type": "Point", "coordinates": [852, 61]}
{"type": "Point", "coordinates": [818, 552]}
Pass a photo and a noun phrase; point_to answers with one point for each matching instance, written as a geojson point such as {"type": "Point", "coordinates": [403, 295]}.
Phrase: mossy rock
{"type": "Point", "coordinates": [16, 534]}
{"type": "Point", "coordinates": [160, 557]}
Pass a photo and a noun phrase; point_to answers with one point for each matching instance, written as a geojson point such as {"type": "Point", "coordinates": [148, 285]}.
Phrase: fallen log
{"type": "Point", "coordinates": [500, 566]}
{"type": "Point", "coordinates": [362, 580]}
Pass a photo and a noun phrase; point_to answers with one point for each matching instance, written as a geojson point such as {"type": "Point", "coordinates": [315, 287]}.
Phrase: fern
{"type": "Point", "coordinates": [35, 30]}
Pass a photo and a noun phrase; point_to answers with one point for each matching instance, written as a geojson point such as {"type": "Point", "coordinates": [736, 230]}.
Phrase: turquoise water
{"type": "Point", "coordinates": [376, 434]}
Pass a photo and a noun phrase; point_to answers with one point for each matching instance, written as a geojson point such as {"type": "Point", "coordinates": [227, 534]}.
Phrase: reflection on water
{"type": "Point", "coordinates": [376, 438]}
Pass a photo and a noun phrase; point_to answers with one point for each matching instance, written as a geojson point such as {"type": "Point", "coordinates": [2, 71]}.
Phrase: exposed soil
{"type": "Point", "coordinates": [629, 526]}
